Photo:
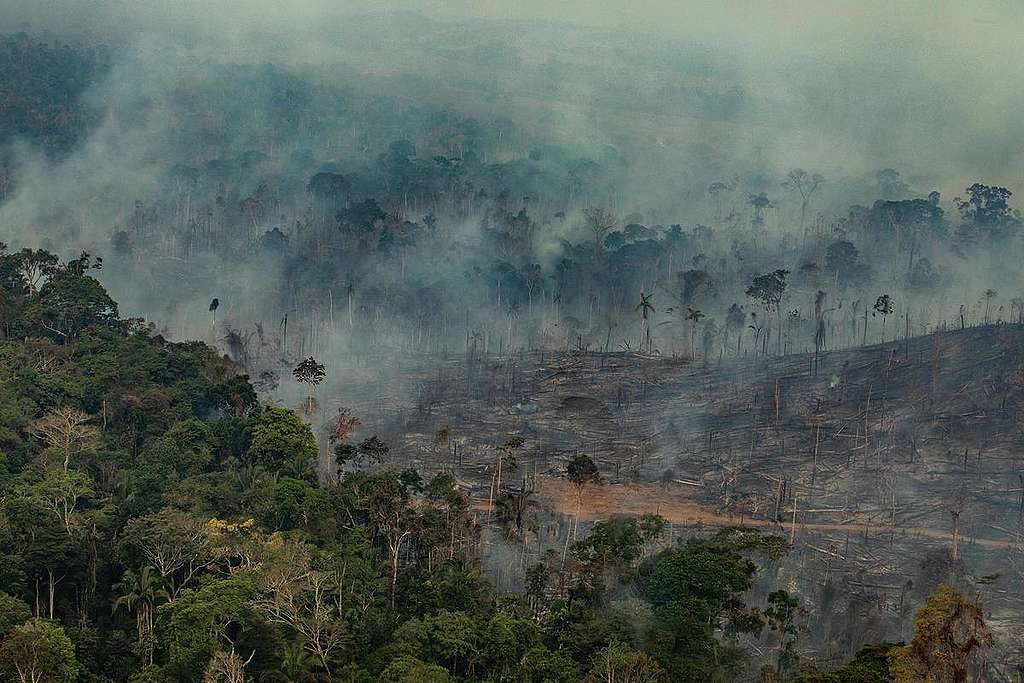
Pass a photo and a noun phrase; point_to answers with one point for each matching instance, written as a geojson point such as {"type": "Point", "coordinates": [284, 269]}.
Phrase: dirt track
{"type": "Point", "coordinates": [672, 503]}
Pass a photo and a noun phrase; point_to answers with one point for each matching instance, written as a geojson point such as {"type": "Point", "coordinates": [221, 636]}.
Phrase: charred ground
{"type": "Point", "coordinates": [890, 467]}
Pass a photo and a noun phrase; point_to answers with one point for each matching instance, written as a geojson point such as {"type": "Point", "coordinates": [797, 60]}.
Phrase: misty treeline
{"type": "Point", "coordinates": [42, 81]}
{"type": "Point", "coordinates": [325, 218]}
{"type": "Point", "coordinates": [158, 524]}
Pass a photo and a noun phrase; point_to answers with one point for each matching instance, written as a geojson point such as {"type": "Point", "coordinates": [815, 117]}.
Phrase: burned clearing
{"type": "Point", "coordinates": [885, 466]}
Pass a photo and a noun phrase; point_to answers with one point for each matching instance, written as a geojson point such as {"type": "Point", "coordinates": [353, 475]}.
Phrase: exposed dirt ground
{"type": "Point", "coordinates": [673, 503]}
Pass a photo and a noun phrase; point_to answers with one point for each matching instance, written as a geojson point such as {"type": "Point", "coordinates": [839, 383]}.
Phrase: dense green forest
{"type": "Point", "coordinates": [158, 524]}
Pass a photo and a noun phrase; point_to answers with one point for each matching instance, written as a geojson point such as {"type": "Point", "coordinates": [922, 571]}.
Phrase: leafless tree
{"type": "Point", "coordinates": [302, 598]}
{"type": "Point", "coordinates": [226, 667]}
{"type": "Point", "coordinates": [66, 430]}
{"type": "Point", "coordinates": [805, 184]}
{"type": "Point", "coordinates": [600, 221]}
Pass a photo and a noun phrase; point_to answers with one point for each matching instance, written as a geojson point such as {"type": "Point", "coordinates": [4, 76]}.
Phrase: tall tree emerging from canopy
{"type": "Point", "coordinates": [986, 213]}
{"type": "Point", "coordinates": [768, 289]}
{"type": "Point", "coordinates": [805, 184]}
{"type": "Point", "coordinates": [311, 373]}
{"type": "Point", "coordinates": [214, 305]}
{"type": "Point", "coordinates": [65, 429]}
{"type": "Point", "coordinates": [72, 300]}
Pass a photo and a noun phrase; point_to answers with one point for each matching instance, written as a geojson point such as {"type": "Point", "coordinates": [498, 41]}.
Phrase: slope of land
{"type": "Point", "coordinates": [892, 466]}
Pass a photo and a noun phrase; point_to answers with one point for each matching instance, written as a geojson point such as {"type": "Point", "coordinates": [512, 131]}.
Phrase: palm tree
{"type": "Point", "coordinates": [296, 664]}
{"type": "Point", "coordinates": [693, 315]}
{"type": "Point", "coordinates": [139, 592]}
{"type": "Point", "coordinates": [646, 308]}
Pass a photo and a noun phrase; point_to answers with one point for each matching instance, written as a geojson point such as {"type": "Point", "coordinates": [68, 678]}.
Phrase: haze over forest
{"type": "Point", "coordinates": [187, 113]}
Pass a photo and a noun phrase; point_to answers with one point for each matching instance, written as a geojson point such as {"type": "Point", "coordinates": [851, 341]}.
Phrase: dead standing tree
{"type": "Point", "coordinates": [805, 184]}
{"type": "Point", "coordinates": [955, 506]}
{"type": "Point", "coordinates": [819, 324]}
{"type": "Point", "coordinates": [506, 456]}
{"type": "Point", "coordinates": [600, 221]}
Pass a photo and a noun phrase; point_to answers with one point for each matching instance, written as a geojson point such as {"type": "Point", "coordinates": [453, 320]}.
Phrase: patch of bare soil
{"type": "Point", "coordinates": [600, 502]}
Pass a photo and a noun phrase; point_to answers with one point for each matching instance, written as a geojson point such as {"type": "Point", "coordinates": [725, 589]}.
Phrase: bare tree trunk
{"type": "Point", "coordinates": [956, 533]}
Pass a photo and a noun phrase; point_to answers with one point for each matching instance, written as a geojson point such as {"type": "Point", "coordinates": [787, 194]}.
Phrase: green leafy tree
{"type": "Point", "coordinates": [13, 612]}
{"type": "Point", "coordinates": [281, 442]}
{"type": "Point", "coordinates": [408, 669]}
{"type": "Point", "coordinates": [201, 622]}
{"type": "Point", "coordinates": [183, 450]}
{"type": "Point", "coordinates": [175, 543]}
{"type": "Point", "coordinates": [386, 499]}
{"type": "Point", "coordinates": [453, 640]}
{"type": "Point", "coordinates": [38, 651]}
{"type": "Point", "coordinates": [311, 373]}
{"type": "Point", "coordinates": [781, 613]}
{"type": "Point", "coordinates": [870, 665]}
{"type": "Point", "coordinates": [70, 301]}
{"type": "Point", "coordinates": [986, 214]}
{"type": "Point", "coordinates": [611, 547]}
{"type": "Point", "coordinates": [769, 289]}
{"type": "Point", "coordinates": [843, 262]}
{"type": "Point", "coordinates": [697, 591]}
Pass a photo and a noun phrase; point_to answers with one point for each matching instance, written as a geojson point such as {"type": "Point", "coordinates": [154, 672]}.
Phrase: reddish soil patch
{"type": "Point", "coordinates": [672, 503]}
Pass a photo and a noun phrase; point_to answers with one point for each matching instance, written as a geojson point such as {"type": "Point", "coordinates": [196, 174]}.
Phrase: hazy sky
{"type": "Point", "coordinates": [915, 82]}
{"type": "Point", "coordinates": [985, 32]}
